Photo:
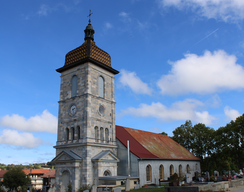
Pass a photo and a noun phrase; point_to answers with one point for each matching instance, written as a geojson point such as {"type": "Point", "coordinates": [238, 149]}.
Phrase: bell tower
{"type": "Point", "coordinates": [86, 142]}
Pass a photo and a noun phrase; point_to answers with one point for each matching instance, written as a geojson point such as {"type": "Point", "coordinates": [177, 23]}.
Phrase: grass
{"type": "Point", "coordinates": [149, 190]}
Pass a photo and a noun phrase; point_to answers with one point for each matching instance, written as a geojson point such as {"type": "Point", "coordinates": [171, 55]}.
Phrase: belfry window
{"type": "Point", "coordinates": [74, 86]}
{"type": "Point", "coordinates": [67, 134]}
{"type": "Point", "coordinates": [101, 87]}
{"type": "Point", "coordinates": [101, 134]}
{"type": "Point", "coordinates": [106, 135]}
{"type": "Point", "coordinates": [96, 134]}
{"type": "Point", "coordinates": [78, 132]}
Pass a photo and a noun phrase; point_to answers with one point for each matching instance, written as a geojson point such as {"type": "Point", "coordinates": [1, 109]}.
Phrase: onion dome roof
{"type": "Point", "coordinates": [88, 51]}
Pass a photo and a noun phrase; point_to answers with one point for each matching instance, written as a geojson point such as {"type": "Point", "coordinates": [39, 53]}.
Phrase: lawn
{"type": "Point", "coordinates": [149, 190]}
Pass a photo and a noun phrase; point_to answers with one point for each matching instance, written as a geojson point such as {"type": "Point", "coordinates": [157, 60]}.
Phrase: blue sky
{"type": "Point", "coordinates": [178, 60]}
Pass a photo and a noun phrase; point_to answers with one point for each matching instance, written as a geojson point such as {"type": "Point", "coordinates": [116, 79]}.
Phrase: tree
{"type": "Point", "coordinates": [182, 135]}
{"type": "Point", "coordinates": [163, 133]}
{"type": "Point", "coordinates": [15, 178]}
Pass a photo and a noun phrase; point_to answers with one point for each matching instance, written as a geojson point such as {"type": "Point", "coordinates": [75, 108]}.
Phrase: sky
{"type": "Point", "coordinates": [178, 60]}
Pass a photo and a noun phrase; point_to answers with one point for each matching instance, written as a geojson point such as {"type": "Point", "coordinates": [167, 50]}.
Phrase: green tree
{"type": "Point", "coordinates": [163, 133]}
{"type": "Point", "coordinates": [182, 135]}
{"type": "Point", "coordinates": [15, 178]}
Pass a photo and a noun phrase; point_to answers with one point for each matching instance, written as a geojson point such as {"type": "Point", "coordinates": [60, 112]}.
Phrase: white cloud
{"type": "Point", "coordinates": [231, 114]}
{"type": "Point", "coordinates": [181, 110]}
{"type": "Point", "coordinates": [12, 137]}
{"type": "Point", "coordinates": [209, 73]}
{"type": "Point", "coordinates": [226, 10]}
{"type": "Point", "coordinates": [125, 17]}
{"type": "Point", "coordinates": [44, 10]}
{"type": "Point", "coordinates": [131, 80]}
{"type": "Point", "coordinates": [108, 25]}
{"type": "Point", "coordinates": [46, 122]}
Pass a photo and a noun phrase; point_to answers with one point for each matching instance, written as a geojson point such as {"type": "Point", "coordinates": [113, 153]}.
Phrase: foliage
{"type": "Point", "coordinates": [163, 133]}
{"type": "Point", "coordinates": [15, 178]}
{"type": "Point", "coordinates": [69, 188]}
{"type": "Point", "coordinates": [221, 149]}
{"type": "Point", "coordinates": [84, 187]}
{"type": "Point", "coordinates": [1, 189]}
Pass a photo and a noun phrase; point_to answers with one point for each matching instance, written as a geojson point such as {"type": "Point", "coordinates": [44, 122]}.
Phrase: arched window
{"type": "Point", "coordinates": [161, 172]}
{"type": "Point", "coordinates": [101, 134]}
{"type": "Point", "coordinates": [78, 132]}
{"type": "Point", "coordinates": [107, 173]}
{"type": "Point", "coordinates": [106, 135]}
{"type": "Point", "coordinates": [74, 86]}
{"type": "Point", "coordinates": [96, 134]}
{"type": "Point", "coordinates": [149, 173]}
{"type": "Point", "coordinates": [101, 87]}
{"type": "Point", "coordinates": [180, 171]}
{"type": "Point", "coordinates": [72, 133]}
{"type": "Point", "coordinates": [171, 170]}
{"type": "Point", "coordinates": [67, 134]}
{"type": "Point", "coordinates": [188, 168]}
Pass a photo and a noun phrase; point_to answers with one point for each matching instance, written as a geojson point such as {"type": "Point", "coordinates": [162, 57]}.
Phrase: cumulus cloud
{"type": "Point", "coordinates": [208, 73]}
{"type": "Point", "coordinates": [231, 114]}
{"type": "Point", "coordinates": [180, 110]}
{"type": "Point", "coordinates": [12, 137]}
{"type": "Point", "coordinates": [131, 80]}
{"type": "Point", "coordinates": [46, 122]}
{"type": "Point", "coordinates": [226, 10]}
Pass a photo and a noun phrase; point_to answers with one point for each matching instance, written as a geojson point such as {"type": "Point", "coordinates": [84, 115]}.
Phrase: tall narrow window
{"type": "Point", "coordinates": [101, 134]}
{"type": "Point", "coordinates": [72, 133]}
{"type": "Point", "coordinates": [171, 170]}
{"type": "Point", "coordinates": [67, 134]}
{"type": "Point", "coordinates": [188, 168]}
{"type": "Point", "coordinates": [180, 171]}
{"type": "Point", "coordinates": [74, 86]}
{"type": "Point", "coordinates": [161, 172]}
{"type": "Point", "coordinates": [149, 173]}
{"type": "Point", "coordinates": [96, 134]}
{"type": "Point", "coordinates": [106, 135]}
{"type": "Point", "coordinates": [78, 132]}
{"type": "Point", "coordinates": [101, 87]}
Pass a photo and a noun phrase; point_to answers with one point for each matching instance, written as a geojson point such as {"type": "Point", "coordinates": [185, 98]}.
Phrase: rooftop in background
{"type": "Point", "coordinates": [148, 145]}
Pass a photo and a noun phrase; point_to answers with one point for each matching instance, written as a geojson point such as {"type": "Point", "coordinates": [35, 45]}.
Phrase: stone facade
{"type": "Point", "coordinates": [77, 130]}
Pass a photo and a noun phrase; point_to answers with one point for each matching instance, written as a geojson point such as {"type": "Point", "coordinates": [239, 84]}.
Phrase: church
{"type": "Point", "coordinates": [89, 145]}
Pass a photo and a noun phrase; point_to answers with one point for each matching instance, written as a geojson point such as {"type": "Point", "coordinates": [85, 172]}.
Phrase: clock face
{"type": "Point", "coordinates": [73, 109]}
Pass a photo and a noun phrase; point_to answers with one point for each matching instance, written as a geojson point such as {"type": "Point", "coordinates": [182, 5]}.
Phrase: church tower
{"type": "Point", "coordinates": [86, 141]}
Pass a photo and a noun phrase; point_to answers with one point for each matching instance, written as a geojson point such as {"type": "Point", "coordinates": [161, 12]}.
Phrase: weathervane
{"type": "Point", "coordinates": [90, 16]}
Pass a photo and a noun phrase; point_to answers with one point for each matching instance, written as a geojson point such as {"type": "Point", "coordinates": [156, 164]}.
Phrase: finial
{"type": "Point", "coordinates": [89, 17]}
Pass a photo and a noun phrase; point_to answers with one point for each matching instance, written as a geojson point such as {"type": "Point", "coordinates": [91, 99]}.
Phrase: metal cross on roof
{"type": "Point", "coordinates": [90, 16]}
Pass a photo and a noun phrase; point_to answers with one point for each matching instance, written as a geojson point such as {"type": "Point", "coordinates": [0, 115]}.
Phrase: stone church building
{"type": "Point", "coordinates": [89, 144]}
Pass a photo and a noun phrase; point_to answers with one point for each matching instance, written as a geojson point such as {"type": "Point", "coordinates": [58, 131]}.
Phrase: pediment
{"type": "Point", "coordinates": [66, 156]}
{"type": "Point", "coordinates": [105, 156]}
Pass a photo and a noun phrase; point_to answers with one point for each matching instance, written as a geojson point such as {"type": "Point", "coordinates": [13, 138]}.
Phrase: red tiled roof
{"type": "Point", "coordinates": [2, 172]}
{"type": "Point", "coordinates": [26, 171]}
{"type": "Point", "coordinates": [148, 145]}
{"type": "Point", "coordinates": [50, 174]}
